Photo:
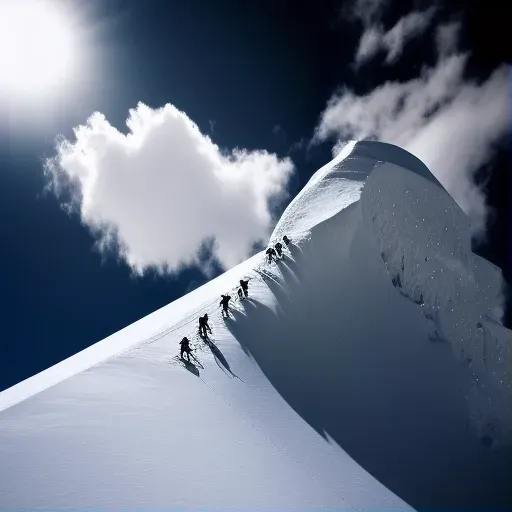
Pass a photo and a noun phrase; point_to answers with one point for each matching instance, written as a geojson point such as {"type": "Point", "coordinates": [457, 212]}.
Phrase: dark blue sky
{"type": "Point", "coordinates": [247, 66]}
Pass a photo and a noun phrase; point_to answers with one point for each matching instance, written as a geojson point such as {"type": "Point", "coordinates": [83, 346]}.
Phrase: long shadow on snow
{"type": "Point", "coordinates": [355, 363]}
{"type": "Point", "coordinates": [279, 292]}
{"type": "Point", "coordinates": [291, 277]}
{"type": "Point", "coordinates": [191, 367]}
{"type": "Point", "coordinates": [295, 251]}
{"type": "Point", "coordinates": [239, 318]}
{"type": "Point", "coordinates": [219, 356]}
{"type": "Point", "coordinates": [291, 273]}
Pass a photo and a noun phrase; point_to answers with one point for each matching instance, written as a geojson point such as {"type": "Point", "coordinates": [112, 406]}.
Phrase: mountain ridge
{"type": "Point", "coordinates": [353, 338]}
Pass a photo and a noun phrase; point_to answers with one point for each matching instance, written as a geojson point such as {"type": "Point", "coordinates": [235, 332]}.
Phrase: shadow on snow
{"type": "Point", "coordinates": [362, 380]}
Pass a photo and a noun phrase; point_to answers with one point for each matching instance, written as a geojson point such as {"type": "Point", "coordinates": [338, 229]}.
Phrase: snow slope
{"type": "Point", "coordinates": [368, 370]}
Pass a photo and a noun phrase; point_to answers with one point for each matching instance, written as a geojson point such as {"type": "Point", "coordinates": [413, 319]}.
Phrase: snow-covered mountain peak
{"type": "Point", "coordinates": [367, 367]}
{"type": "Point", "coordinates": [339, 183]}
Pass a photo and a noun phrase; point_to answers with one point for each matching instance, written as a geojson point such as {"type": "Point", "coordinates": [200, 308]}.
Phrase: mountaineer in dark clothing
{"type": "Point", "coordinates": [240, 293]}
{"type": "Point", "coordinates": [286, 240]}
{"type": "Point", "coordinates": [279, 248]}
{"type": "Point", "coordinates": [203, 326]}
{"type": "Point", "coordinates": [271, 253]}
{"type": "Point", "coordinates": [244, 283]}
{"type": "Point", "coordinates": [225, 304]}
{"type": "Point", "coordinates": [185, 348]}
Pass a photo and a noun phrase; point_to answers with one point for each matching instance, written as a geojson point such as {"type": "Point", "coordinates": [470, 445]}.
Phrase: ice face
{"type": "Point", "coordinates": [424, 240]}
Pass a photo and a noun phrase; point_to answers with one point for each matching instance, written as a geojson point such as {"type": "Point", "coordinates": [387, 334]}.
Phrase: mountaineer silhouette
{"type": "Point", "coordinates": [271, 253]}
{"type": "Point", "coordinates": [225, 304]}
{"type": "Point", "coordinates": [244, 283]}
{"type": "Point", "coordinates": [185, 348]}
{"type": "Point", "coordinates": [203, 326]}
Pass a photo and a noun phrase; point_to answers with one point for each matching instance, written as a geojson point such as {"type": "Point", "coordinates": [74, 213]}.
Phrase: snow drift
{"type": "Point", "coordinates": [378, 330]}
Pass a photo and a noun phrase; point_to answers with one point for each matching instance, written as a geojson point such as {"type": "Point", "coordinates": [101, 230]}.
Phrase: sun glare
{"type": "Point", "coordinates": [37, 47]}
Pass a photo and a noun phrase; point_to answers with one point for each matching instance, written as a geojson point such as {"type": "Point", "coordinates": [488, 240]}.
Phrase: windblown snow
{"type": "Point", "coordinates": [367, 369]}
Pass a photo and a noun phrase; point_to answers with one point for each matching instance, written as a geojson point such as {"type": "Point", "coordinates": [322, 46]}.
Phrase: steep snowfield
{"type": "Point", "coordinates": [368, 367]}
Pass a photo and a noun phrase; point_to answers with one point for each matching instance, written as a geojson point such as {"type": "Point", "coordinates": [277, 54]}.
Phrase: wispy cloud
{"type": "Point", "coordinates": [449, 123]}
{"type": "Point", "coordinates": [366, 11]}
{"type": "Point", "coordinates": [392, 42]}
{"type": "Point", "coordinates": [447, 36]}
{"type": "Point", "coordinates": [369, 44]}
{"type": "Point", "coordinates": [162, 191]}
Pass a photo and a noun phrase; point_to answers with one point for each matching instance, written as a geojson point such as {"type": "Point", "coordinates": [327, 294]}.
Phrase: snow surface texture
{"type": "Point", "coordinates": [378, 330]}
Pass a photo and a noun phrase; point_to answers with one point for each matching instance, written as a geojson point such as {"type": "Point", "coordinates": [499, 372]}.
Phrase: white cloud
{"type": "Point", "coordinates": [374, 38]}
{"type": "Point", "coordinates": [447, 36]}
{"type": "Point", "coordinates": [370, 43]}
{"type": "Point", "coordinates": [368, 11]}
{"type": "Point", "coordinates": [449, 123]}
{"type": "Point", "coordinates": [160, 192]}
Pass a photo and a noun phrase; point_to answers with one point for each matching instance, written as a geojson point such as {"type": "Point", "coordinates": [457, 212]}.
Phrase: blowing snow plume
{"type": "Point", "coordinates": [378, 329]}
{"type": "Point", "coordinates": [452, 122]}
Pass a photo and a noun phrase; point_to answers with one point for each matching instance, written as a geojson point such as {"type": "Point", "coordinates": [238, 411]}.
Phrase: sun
{"type": "Point", "coordinates": [37, 47]}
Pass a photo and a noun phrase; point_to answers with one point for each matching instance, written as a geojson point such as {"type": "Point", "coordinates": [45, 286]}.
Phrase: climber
{"type": "Point", "coordinates": [203, 326]}
{"type": "Point", "coordinates": [271, 253]}
{"type": "Point", "coordinates": [185, 348]}
{"type": "Point", "coordinates": [240, 293]}
{"type": "Point", "coordinates": [225, 303]}
{"type": "Point", "coordinates": [286, 240]}
{"type": "Point", "coordinates": [244, 283]}
{"type": "Point", "coordinates": [279, 248]}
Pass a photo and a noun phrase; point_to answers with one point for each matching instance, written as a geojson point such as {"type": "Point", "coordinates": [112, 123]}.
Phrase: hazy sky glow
{"type": "Point", "coordinates": [38, 49]}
